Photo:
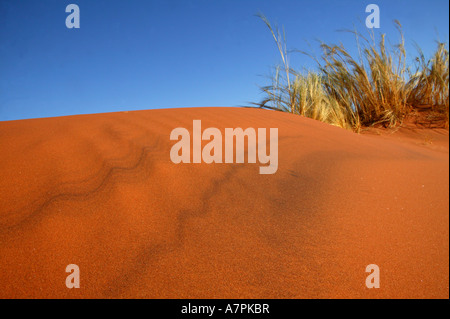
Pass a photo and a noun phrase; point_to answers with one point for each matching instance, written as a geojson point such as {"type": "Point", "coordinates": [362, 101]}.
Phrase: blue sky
{"type": "Point", "coordinates": [142, 54]}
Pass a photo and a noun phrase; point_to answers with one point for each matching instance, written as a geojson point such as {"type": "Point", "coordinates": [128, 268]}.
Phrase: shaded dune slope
{"type": "Point", "coordinates": [101, 192]}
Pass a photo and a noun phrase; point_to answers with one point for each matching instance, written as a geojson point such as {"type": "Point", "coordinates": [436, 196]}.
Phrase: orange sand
{"type": "Point", "coordinates": [101, 192]}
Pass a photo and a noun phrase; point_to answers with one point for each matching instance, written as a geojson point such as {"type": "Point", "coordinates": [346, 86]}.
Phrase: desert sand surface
{"type": "Point", "coordinates": [100, 191]}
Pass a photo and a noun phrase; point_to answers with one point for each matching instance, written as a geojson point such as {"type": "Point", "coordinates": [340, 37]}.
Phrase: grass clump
{"type": "Point", "coordinates": [430, 83]}
{"type": "Point", "coordinates": [376, 88]}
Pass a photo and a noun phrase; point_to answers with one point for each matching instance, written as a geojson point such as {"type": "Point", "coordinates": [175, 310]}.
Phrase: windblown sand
{"type": "Point", "coordinates": [100, 191]}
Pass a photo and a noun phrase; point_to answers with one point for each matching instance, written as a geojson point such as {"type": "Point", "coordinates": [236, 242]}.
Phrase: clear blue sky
{"type": "Point", "coordinates": [145, 54]}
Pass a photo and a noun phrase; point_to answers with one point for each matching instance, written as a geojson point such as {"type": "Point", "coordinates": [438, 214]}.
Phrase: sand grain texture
{"type": "Point", "coordinates": [101, 192]}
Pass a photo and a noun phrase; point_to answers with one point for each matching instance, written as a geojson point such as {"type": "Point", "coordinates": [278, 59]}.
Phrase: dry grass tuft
{"type": "Point", "coordinates": [376, 88]}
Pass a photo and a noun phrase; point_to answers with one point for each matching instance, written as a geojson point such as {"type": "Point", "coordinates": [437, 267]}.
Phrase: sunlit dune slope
{"type": "Point", "coordinates": [101, 192]}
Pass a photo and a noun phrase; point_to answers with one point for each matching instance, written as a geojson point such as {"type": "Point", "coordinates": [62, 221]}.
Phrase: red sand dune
{"type": "Point", "coordinates": [101, 192]}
